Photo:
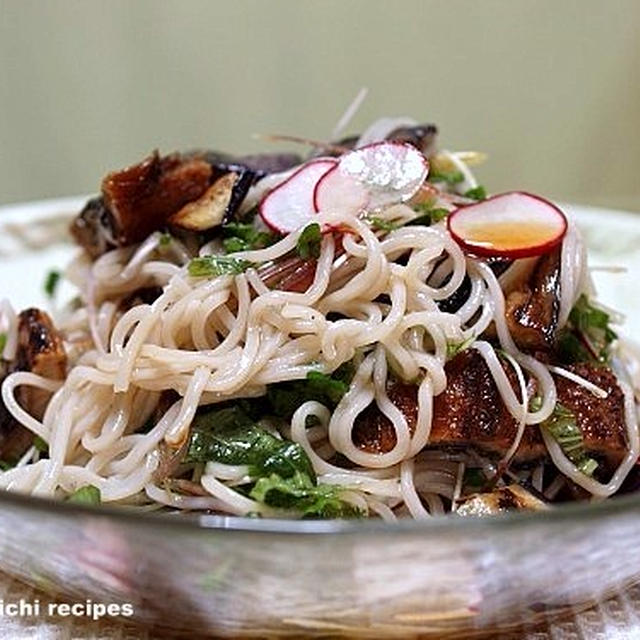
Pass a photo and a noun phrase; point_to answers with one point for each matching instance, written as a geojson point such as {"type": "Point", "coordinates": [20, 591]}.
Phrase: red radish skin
{"type": "Point", "coordinates": [290, 205]}
{"type": "Point", "coordinates": [373, 176]}
{"type": "Point", "coordinates": [510, 225]}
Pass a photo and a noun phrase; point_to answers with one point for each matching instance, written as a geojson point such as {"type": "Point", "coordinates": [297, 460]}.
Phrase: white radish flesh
{"type": "Point", "coordinates": [290, 205]}
{"type": "Point", "coordinates": [389, 172]}
{"type": "Point", "coordinates": [337, 191]}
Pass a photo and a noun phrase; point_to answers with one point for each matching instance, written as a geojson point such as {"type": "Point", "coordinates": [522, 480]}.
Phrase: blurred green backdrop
{"type": "Point", "coordinates": [551, 90]}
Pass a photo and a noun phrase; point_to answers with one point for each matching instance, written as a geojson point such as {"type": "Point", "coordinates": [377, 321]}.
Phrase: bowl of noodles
{"type": "Point", "coordinates": [343, 392]}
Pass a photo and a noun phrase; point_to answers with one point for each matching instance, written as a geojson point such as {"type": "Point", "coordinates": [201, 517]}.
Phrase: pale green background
{"type": "Point", "coordinates": [549, 89]}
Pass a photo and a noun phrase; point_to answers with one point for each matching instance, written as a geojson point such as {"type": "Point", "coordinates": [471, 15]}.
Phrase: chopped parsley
{"type": "Point", "coordinates": [450, 177]}
{"type": "Point", "coordinates": [564, 429]}
{"type": "Point", "coordinates": [474, 478]}
{"type": "Point", "coordinates": [299, 493]}
{"type": "Point", "coordinates": [477, 193]}
{"type": "Point", "coordinates": [309, 242]}
{"type": "Point", "coordinates": [380, 224]}
{"type": "Point", "coordinates": [3, 342]}
{"type": "Point", "coordinates": [230, 436]}
{"type": "Point", "coordinates": [88, 495]}
{"type": "Point", "coordinates": [587, 336]}
{"type": "Point", "coordinates": [286, 397]}
{"type": "Point", "coordinates": [428, 215]}
{"type": "Point", "coordinates": [165, 240]}
{"type": "Point", "coordinates": [281, 473]}
{"type": "Point", "coordinates": [51, 282]}
{"type": "Point", "coordinates": [239, 236]}
{"type": "Point", "coordinates": [454, 348]}
{"type": "Point", "coordinates": [217, 266]}
{"type": "Point", "coordinates": [40, 445]}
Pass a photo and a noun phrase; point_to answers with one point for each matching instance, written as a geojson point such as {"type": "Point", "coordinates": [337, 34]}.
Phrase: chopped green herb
{"type": "Point", "coordinates": [165, 240]}
{"type": "Point", "coordinates": [286, 397]}
{"type": "Point", "coordinates": [535, 404]}
{"type": "Point", "coordinates": [230, 436]}
{"type": "Point", "coordinates": [5, 466]}
{"type": "Point", "coordinates": [450, 177]}
{"type": "Point", "coordinates": [300, 494]}
{"type": "Point", "coordinates": [309, 242]}
{"type": "Point", "coordinates": [474, 478]}
{"type": "Point", "coordinates": [51, 282]}
{"type": "Point", "coordinates": [563, 427]}
{"type": "Point", "coordinates": [239, 236]}
{"type": "Point", "coordinates": [569, 348]}
{"type": "Point", "coordinates": [454, 348]}
{"type": "Point", "coordinates": [587, 336]}
{"type": "Point", "coordinates": [428, 215]}
{"type": "Point", "coordinates": [3, 342]}
{"type": "Point", "coordinates": [233, 245]}
{"type": "Point", "coordinates": [477, 193]}
{"type": "Point", "coordinates": [380, 224]}
{"type": "Point", "coordinates": [86, 495]}
{"type": "Point", "coordinates": [40, 445]}
{"type": "Point", "coordinates": [281, 474]}
{"type": "Point", "coordinates": [217, 266]}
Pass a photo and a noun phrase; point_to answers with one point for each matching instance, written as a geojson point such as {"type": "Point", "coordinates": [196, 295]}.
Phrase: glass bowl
{"type": "Point", "coordinates": [241, 576]}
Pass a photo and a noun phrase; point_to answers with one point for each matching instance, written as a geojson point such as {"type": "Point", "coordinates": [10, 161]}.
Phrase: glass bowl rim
{"type": "Point", "coordinates": [449, 524]}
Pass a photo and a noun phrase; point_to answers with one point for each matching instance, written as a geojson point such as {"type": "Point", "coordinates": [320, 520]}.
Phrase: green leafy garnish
{"type": "Point", "coordinates": [3, 342]}
{"type": "Point", "coordinates": [299, 493]}
{"type": "Point", "coordinates": [563, 427]}
{"type": "Point", "coordinates": [477, 193]}
{"type": "Point", "coordinates": [51, 282]}
{"type": "Point", "coordinates": [217, 266]}
{"type": "Point", "coordinates": [587, 336]}
{"type": "Point", "coordinates": [286, 397]}
{"type": "Point", "coordinates": [239, 236]}
{"type": "Point", "coordinates": [428, 215]}
{"type": "Point", "coordinates": [86, 495]}
{"type": "Point", "coordinates": [281, 474]}
{"type": "Point", "coordinates": [165, 240]}
{"type": "Point", "coordinates": [230, 436]}
{"type": "Point", "coordinates": [380, 224]}
{"type": "Point", "coordinates": [309, 242]}
{"type": "Point", "coordinates": [40, 445]}
{"type": "Point", "coordinates": [450, 177]}
{"type": "Point", "coordinates": [474, 477]}
{"type": "Point", "coordinates": [454, 348]}
{"type": "Point", "coordinates": [5, 466]}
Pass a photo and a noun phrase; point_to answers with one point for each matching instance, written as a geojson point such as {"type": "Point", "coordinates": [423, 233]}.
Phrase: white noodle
{"type": "Point", "coordinates": [210, 340]}
{"type": "Point", "coordinates": [574, 377]}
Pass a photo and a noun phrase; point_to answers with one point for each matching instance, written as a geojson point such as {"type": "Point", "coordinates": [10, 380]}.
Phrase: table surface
{"type": "Point", "coordinates": [615, 619]}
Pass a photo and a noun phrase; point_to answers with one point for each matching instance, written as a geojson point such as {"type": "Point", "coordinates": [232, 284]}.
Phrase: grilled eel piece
{"type": "Point", "coordinates": [532, 302]}
{"type": "Point", "coordinates": [40, 351]}
{"type": "Point", "coordinates": [470, 413]}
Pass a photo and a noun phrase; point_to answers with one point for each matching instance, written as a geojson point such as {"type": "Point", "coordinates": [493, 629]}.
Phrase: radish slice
{"type": "Point", "coordinates": [337, 191]}
{"type": "Point", "coordinates": [390, 171]}
{"type": "Point", "coordinates": [509, 225]}
{"type": "Point", "coordinates": [290, 205]}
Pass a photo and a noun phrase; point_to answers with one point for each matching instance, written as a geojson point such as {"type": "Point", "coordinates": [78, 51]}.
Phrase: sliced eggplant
{"type": "Point", "coordinates": [94, 228]}
{"type": "Point", "coordinates": [260, 164]}
{"type": "Point", "coordinates": [141, 198]}
{"type": "Point", "coordinates": [215, 205]}
{"type": "Point", "coordinates": [422, 136]}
